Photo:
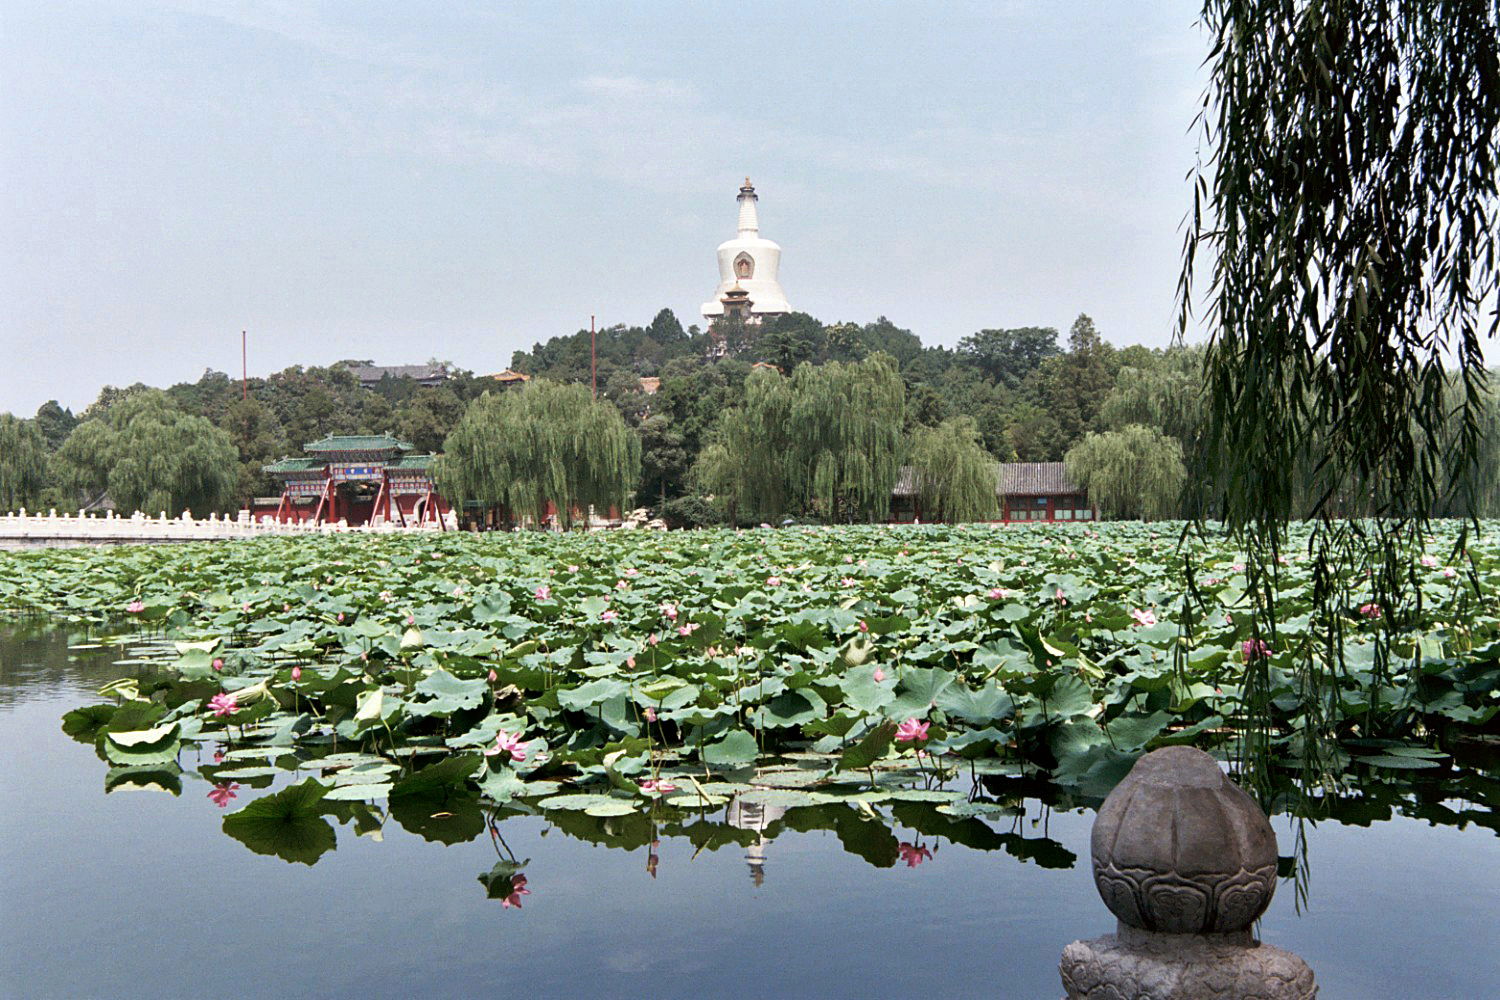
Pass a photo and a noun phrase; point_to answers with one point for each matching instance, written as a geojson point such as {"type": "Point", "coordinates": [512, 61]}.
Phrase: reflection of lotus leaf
{"type": "Point", "coordinates": [287, 824]}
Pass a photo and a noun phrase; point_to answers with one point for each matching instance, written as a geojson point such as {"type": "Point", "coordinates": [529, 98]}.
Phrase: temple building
{"type": "Point", "coordinates": [749, 284]}
{"type": "Point", "coordinates": [358, 479]}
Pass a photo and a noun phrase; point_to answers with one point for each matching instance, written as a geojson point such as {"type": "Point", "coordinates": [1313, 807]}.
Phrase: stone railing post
{"type": "Point", "coordinates": [1187, 862]}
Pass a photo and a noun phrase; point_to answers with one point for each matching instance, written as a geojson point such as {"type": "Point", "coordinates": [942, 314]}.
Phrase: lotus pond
{"type": "Point", "coordinates": [829, 762]}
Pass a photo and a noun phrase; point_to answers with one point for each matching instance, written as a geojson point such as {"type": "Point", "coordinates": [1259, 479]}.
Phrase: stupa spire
{"type": "Point", "coordinates": [749, 223]}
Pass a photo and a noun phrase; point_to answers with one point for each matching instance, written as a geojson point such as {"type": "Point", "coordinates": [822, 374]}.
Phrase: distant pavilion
{"type": "Point", "coordinates": [358, 479]}
{"type": "Point", "coordinates": [1026, 491]}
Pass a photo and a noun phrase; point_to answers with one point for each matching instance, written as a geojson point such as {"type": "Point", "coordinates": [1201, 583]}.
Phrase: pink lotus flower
{"type": "Point", "coordinates": [1371, 610]}
{"type": "Point", "coordinates": [1449, 573]}
{"type": "Point", "coordinates": [652, 639]}
{"type": "Point", "coordinates": [649, 713]}
{"type": "Point", "coordinates": [608, 615]}
{"type": "Point", "coordinates": [864, 626]}
{"type": "Point", "coordinates": [848, 581]}
{"type": "Point", "coordinates": [458, 591]}
{"type": "Point", "coordinates": [1429, 561]}
{"type": "Point", "coordinates": [848, 559]}
{"type": "Point", "coordinates": [632, 572]}
{"type": "Point", "coordinates": [222, 704]}
{"type": "Point", "coordinates": [411, 619]}
{"type": "Point", "coordinates": [1143, 617]}
{"type": "Point", "coordinates": [286, 607]}
{"type": "Point", "coordinates": [135, 607]}
{"type": "Point", "coordinates": [341, 617]}
{"type": "Point", "coordinates": [1239, 567]}
{"type": "Point", "coordinates": [296, 673]}
{"type": "Point", "coordinates": [543, 593]}
{"type": "Point", "coordinates": [879, 675]}
{"type": "Point", "coordinates": [911, 730]}
{"type": "Point", "coordinates": [218, 663]}
{"type": "Point", "coordinates": [510, 743]}
{"type": "Point", "coordinates": [222, 792]}
{"type": "Point", "coordinates": [998, 593]}
{"type": "Point", "coordinates": [661, 786]}
{"type": "Point", "coordinates": [773, 581]}
{"type": "Point", "coordinates": [386, 595]}
{"type": "Point", "coordinates": [669, 612]}
{"type": "Point", "coordinates": [630, 662]}
{"type": "Point", "coordinates": [1254, 649]}
{"type": "Point", "coordinates": [492, 676]}
{"type": "Point", "coordinates": [913, 856]}
{"type": "Point", "coordinates": [621, 585]}
{"type": "Point", "coordinates": [689, 628]}
{"type": "Point", "coordinates": [573, 568]}
{"type": "Point", "coordinates": [218, 756]}
{"type": "Point", "coordinates": [1060, 596]}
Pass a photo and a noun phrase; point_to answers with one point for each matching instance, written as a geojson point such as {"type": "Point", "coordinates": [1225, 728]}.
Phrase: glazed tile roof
{"type": "Point", "coordinates": [1014, 479]}
{"type": "Point", "coordinates": [358, 442]}
{"type": "Point", "coordinates": [411, 463]}
{"type": "Point", "coordinates": [1035, 479]}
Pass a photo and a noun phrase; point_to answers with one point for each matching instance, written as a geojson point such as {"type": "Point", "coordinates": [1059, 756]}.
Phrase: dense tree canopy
{"type": "Point", "coordinates": [1135, 472]}
{"type": "Point", "coordinates": [827, 441]}
{"type": "Point", "coordinates": [546, 444]}
{"type": "Point", "coordinates": [23, 463]}
{"type": "Point", "coordinates": [954, 476]}
{"type": "Point", "coordinates": [147, 454]}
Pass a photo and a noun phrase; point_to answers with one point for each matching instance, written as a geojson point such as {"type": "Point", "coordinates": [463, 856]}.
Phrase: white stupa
{"type": "Point", "coordinates": [748, 269]}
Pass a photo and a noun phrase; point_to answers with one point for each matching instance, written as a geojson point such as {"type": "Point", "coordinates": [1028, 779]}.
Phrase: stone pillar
{"type": "Point", "coordinates": [1187, 862]}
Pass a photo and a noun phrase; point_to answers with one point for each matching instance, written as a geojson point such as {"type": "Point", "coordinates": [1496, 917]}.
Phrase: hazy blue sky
{"type": "Point", "coordinates": [406, 180]}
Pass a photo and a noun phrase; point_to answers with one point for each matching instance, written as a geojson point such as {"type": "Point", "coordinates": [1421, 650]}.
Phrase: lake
{"type": "Point", "coordinates": [139, 893]}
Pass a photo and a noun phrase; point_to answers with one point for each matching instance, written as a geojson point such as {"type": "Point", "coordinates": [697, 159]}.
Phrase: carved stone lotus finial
{"type": "Point", "coordinates": [1179, 848]}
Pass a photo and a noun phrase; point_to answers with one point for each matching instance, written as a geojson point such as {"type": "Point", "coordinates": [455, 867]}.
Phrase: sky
{"type": "Point", "coordinates": [400, 181]}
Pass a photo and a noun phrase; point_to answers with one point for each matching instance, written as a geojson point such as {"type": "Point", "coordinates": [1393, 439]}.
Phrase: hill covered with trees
{"type": "Point", "coordinates": [1127, 420]}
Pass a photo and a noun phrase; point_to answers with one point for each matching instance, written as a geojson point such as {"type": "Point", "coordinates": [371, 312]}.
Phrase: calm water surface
{"type": "Point", "coordinates": [140, 894]}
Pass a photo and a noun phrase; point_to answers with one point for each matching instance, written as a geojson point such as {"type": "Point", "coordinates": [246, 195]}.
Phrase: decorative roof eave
{"type": "Point", "coordinates": [357, 443]}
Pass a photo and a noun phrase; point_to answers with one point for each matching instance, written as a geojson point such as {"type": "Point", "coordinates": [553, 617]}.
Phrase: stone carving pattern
{"type": "Point", "coordinates": [1185, 904]}
{"type": "Point", "coordinates": [1110, 969]}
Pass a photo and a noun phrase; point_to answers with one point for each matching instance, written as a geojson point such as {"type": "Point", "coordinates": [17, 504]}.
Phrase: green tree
{"type": "Point", "coordinates": [150, 456]}
{"type": "Point", "coordinates": [1166, 394]}
{"type": "Point", "coordinates": [1008, 356]}
{"type": "Point", "coordinates": [23, 463]}
{"type": "Point", "coordinates": [258, 441]}
{"type": "Point", "coordinates": [428, 417]}
{"type": "Point", "coordinates": [1136, 472]}
{"type": "Point", "coordinates": [1079, 381]}
{"type": "Point", "coordinates": [1346, 206]}
{"type": "Point", "coordinates": [55, 423]}
{"type": "Point", "coordinates": [520, 450]}
{"type": "Point", "coordinates": [826, 441]}
{"type": "Point", "coordinates": [956, 478]}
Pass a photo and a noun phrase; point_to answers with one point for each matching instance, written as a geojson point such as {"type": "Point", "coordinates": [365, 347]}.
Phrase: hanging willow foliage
{"type": "Point", "coordinates": [23, 463]}
{"type": "Point", "coordinates": [521, 450]}
{"type": "Point", "coordinates": [1348, 206]}
{"type": "Point", "coordinates": [825, 441]}
{"type": "Point", "coordinates": [956, 479]}
{"type": "Point", "coordinates": [1135, 472]}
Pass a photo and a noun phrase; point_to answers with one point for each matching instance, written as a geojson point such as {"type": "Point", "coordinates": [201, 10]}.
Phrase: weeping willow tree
{"type": "Point", "coordinates": [545, 444]}
{"type": "Point", "coordinates": [1347, 206]}
{"type": "Point", "coordinates": [826, 441]}
{"type": "Point", "coordinates": [147, 454]}
{"type": "Point", "coordinates": [1136, 472]}
{"type": "Point", "coordinates": [955, 477]}
{"type": "Point", "coordinates": [845, 427]}
{"type": "Point", "coordinates": [743, 461]}
{"type": "Point", "coordinates": [23, 463]}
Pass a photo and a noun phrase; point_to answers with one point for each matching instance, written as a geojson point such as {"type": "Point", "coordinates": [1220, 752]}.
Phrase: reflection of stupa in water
{"type": "Point", "coordinates": [754, 816]}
